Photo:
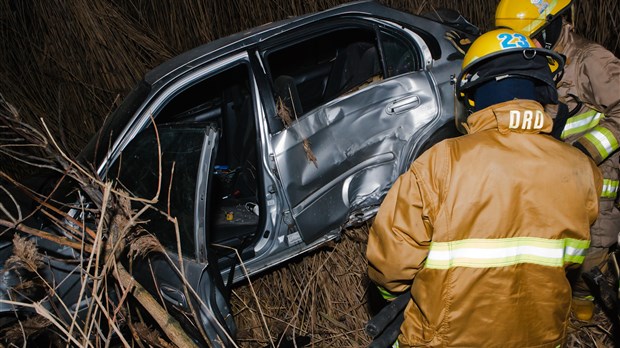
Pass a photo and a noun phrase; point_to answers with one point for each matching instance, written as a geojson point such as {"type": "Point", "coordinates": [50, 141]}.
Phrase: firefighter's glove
{"type": "Point", "coordinates": [458, 40]}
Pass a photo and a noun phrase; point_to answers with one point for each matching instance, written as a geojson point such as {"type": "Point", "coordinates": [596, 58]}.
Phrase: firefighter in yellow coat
{"type": "Point", "coordinates": [482, 226]}
{"type": "Point", "coordinates": [590, 87]}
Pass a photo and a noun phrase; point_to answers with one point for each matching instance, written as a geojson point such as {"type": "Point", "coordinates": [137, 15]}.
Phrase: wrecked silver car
{"type": "Point", "coordinates": [271, 141]}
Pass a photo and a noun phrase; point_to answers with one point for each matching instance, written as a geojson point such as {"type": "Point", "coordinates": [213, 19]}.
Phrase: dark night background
{"type": "Point", "coordinates": [71, 62]}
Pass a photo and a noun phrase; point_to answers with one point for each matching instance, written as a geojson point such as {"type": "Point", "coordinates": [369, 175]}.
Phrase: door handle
{"type": "Point", "coordinates": [174, 296]}
{"type": "Point", "coordinates": [403, 104]}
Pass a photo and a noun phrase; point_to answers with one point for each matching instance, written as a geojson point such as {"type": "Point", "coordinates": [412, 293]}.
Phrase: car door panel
{"type": "Point", "coordinates": [352, 136]}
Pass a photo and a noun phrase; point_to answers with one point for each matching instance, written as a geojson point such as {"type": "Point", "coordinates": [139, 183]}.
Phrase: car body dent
{"type": "Point", "coordinates": [361, 134]}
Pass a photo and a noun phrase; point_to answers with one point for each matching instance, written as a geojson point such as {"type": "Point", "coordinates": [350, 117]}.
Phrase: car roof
{"type": "Point", "coordinates": [234, 42]}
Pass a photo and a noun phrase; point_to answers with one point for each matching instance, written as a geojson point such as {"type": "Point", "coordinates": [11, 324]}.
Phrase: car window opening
{"type": "Point", "coordinates": [222, 101]}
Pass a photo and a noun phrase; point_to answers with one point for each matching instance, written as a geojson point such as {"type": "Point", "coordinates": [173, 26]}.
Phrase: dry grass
{"type": "Point", "coordinates": [25, 255]}
{"type": "Point", "coordinates": [322, 296]}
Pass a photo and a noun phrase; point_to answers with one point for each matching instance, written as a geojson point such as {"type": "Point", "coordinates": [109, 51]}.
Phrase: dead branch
{"type": "Point", "coordinates": [115, 223]}
{"type": "Point", "coordinates": [168, 324]}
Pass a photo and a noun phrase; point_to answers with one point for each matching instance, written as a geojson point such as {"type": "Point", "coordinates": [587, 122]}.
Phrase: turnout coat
{"type": "Point", "coordinates": [590, 86]}
{"type": "Point", "coordinates": [481, 229]}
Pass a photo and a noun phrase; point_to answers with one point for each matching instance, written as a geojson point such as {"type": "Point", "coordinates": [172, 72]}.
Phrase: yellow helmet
{"type": "Point", "coordinates": [503, 53]}
{"type": "Point", "coordinates": [528, 16]}
{"type": "Point", "coordinates": [519, 52]}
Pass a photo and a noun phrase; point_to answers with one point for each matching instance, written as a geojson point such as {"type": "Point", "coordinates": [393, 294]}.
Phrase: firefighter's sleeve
{"type": "Point", "coordinates": [598, 81]}
{"type": "Point", "coordinates": [399, 238]}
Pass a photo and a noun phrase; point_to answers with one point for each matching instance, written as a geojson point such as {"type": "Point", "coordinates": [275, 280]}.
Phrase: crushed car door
{"type": "Point", "coordinates": [358, 96]}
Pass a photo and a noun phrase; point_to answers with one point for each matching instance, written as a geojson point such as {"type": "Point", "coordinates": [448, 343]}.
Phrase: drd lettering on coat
{"type": "Point", "coordinates": [528, 119]}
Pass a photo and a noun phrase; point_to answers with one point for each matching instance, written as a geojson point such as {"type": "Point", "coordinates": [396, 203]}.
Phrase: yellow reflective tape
{"type": "Point", "coordinates": [610, 188]}
{"type": "Point", "coordinates": [385, 294]}
{"type": "Point", "coordinates": [581, 123]}
{"type": "Point", "coordinates": [603, 140]}
{"type": "Point", "coordinates": [488, 253]}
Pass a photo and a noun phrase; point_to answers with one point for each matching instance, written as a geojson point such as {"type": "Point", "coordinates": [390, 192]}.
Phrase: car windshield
{"type": "Point", "coordinates": [97, 148]}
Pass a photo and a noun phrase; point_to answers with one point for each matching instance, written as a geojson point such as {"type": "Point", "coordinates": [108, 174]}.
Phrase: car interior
{"type": "Point", "coordinates": [233, 207]}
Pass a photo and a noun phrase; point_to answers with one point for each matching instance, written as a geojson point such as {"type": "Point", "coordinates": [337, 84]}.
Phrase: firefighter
{"type": "Point", "coordinates": [590, 88]}
{"type": "Point", "coordinates": [481, 227]}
